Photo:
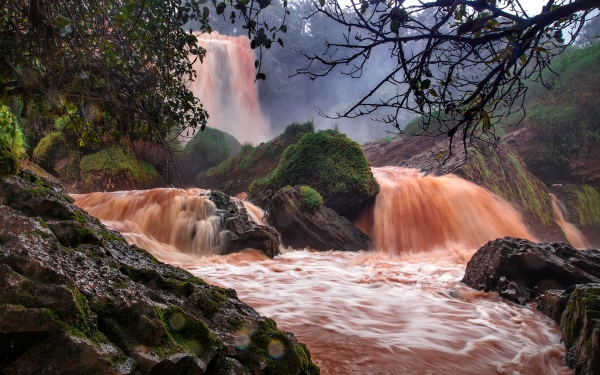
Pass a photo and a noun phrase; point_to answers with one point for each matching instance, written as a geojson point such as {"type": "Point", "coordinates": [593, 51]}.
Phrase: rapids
{"type": "Point", "coordinates": [398, 310]}
{"type": "Point", "coordinates": [574, 235]}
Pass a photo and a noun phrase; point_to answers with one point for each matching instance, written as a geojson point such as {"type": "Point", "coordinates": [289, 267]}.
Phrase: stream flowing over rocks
{"type": "Point", "coordinates": [76, 298]}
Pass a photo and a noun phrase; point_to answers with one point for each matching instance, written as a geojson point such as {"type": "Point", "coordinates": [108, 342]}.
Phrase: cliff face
{"type": "Point", "coordinates": [75, 298]}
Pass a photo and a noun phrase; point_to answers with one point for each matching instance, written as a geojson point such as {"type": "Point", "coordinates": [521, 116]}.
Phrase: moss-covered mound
{"type": "Point", "coordinates": [75, 298]}
{"type": "Point", "coordinates": [236, 173]}
{"type": "Point", "coordinates": [332, 164]}
{"type": "Point", "coordinates": [207, 149]}
{"type": "Point", "coordinates": [50, 149]}
{"type": "Point", "coordinates": [504, 173]}
{"type": "Point", "coordinates": [12, 143]}
{"type": "Point", "coordinates": [116, 169]}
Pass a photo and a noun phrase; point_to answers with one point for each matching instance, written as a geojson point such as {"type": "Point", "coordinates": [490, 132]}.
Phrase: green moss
{"type": "Point", "coordinates": [294, 359]}
{"type": "Point", "coordinates": [310, 198]}
{"type": "Point", "coordinates": [3, 239]}
{"type": "Point", "coordinates": [115, 162]}
{"type": "Point", "coordinates": [588, 206]}
{"type": "Point", "coordinates": [50, 149]}
{"type": "Point", "coordinates": [111, 237]}
{"type": "Point", "coordinates": [12, 142]}
{"type": "Point", "coordinates": [511, 182]}
{"type": "Point", "coordinates": [210, 300]}
{"type": "Point", "coordinates": [328, 161]}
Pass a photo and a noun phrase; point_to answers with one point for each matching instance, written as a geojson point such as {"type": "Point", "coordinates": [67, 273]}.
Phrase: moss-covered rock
{"type": "Point", "coordinates": [116, 169]}
{"type": "Point", "coordinates": [12, 143]}
{"type": "Point", "coordinates": [207, 149]}
{"type": "Point", "coordinates": [581, 329]}
{"type": "Point", "coordinates": [50, 149]}
{"type": "Point", "coordinates": [332, 164]}
{"type": "Point", "coordinates": [76, 299]}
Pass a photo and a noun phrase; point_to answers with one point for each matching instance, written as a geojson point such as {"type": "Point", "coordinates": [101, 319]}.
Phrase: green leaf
{"type": "Point", "coordinates": [221, 8]}
{"type": "Point", "coordinates": [62, 22]}
{"type": "Point", "coordinates": [283, 28]}
{"type": "Point", "coordinates": [523, 59]}
{"type": "Point", "coordinates": [261, 76]}
{"type": "Point", "coordinates": [322, 3]}
{"type": "Point", "coordinates": [540, 49]}
{"type": "Point", "coordinates": [205, 12]}
{"type": "Point", "coordinates": [394, 26]}
{"type": "Point", "coordinates": [432, 92]}
{"type": "Point", "coordinates": [280, 41]}
{"type": "Point", "coordinates": [425, 84]}
{"type": "Point", "coordinates": [256, 64]}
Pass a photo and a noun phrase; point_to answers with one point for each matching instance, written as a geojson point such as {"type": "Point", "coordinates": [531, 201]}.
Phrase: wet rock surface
{"type": "Point", "coordinates": [75, 298]}
{"type": "Point", "coordinates": [580, 325]}
{"type": "Point", "coordinates": [241, 232]}
{"type": "Point", "coordinates": [320, 229]}
{"type": "Point", "coordinates": [520, 269]}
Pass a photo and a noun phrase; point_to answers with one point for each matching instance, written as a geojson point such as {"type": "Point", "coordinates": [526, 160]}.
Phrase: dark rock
{"type": "Point", "coordinates": [72, 303]}
{"type": "Point", "coordinates": [580, 325]}
{"type": "Point", "coordinates": [536, 267]}
{"type": "Point", "coordinates": [243, 233]}
{"type": "Point", "coordinates": [553, 303]}
{"type": "Point", "coordinates": [513, 291]}
{"type": "Point", "coordinates": [319, 229]}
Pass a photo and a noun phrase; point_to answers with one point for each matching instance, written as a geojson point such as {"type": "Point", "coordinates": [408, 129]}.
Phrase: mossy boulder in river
{"type": "Point", "coordinates": [50, 150]}
{"type": "Point", "coordinates": [75, 298]}
{"type": "Point", "coordinates": [116, 169]}
{"type": "Point", "coordinates": [332, 164]}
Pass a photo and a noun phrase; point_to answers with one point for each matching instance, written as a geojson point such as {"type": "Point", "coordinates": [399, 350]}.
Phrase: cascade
{"type": "Point", "coordinates": [398, 310]}
{"type": "Point", "coordinates": [225, 86]}
{"type": "Point", "coordinates": [574, 235]}
{"type": "Point", "coordinates": [414, 212]}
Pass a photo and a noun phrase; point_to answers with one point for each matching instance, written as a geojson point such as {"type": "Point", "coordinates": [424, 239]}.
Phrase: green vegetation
{"type": "Point", "coordinates": [12, 143]}
{"type": "Point", "coordinates": [264, 157]}
{"type": "Point", "coordinates": [49, 149]}
{"type": "Point", "coordinates": [589, 206]}
{"type": "Point", "coordinates": [310, 198]}
{"type": "Point", "coordinates": [326, 160]}
{"type": "Point", "coordinates": [115, 162]}
{"type": "Point", "coordinates": [567, 116]}
{"type": "Point", "coordinates": [207, 149]}
{"type": "Point", "coordinates": [509, 180]}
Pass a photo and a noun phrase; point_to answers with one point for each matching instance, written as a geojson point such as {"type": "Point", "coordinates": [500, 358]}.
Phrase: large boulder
{"type": "Point", "coordinates": [520, 269]}
{"type": "Point", "coordinates": [76, 298]}
{"type": "Point", "coordinates": [241, 231]}
{"type": "Point", "coordinates": [115, 169]}
{"type": "Point", "coordinates": [299, 215]}
{"type": "Point", "coordinates": [332, 164]}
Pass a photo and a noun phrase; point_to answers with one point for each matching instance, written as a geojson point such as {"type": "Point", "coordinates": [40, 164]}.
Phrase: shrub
{"type": "Point", "coordinates": [12, 143]}
{"type": "Point", "coordinates": [50, 149]}
{"type": "Point", "coordinates": [310, 198]}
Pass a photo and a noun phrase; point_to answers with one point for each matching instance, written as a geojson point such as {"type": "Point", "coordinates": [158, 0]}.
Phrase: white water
{"type": "Point", "coordinates": [388, 312]}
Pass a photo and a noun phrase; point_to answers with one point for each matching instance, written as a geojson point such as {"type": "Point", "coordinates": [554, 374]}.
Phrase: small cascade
{"type": "Point", "coordinates": [159, 220]}
{"type": "Point", "coordinates": [225, 86]}
{"type": "Point", "coordinates": [574, 235]}
{"type": "Point", "coordinates": [414, 212]}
